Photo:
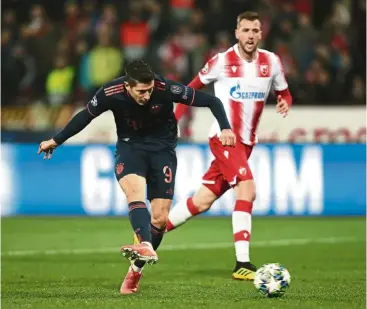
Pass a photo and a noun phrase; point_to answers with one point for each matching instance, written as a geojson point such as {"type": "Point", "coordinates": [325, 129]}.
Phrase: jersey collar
{"type": "Point", "coordinates": [237, 51]}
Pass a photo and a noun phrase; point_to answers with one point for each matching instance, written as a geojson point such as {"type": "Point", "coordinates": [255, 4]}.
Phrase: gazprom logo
{"type": "Point", "coordinates": [236, 93]}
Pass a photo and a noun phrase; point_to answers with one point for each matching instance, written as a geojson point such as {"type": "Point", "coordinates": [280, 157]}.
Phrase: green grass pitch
{"type": "Point", "coordinates": [75, 263]}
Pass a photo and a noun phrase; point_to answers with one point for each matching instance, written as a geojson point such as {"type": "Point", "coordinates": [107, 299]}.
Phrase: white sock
{"type": "Point", "coordinates": [241, 223]}
{"type": "Point", "coordinates": [181, 213]}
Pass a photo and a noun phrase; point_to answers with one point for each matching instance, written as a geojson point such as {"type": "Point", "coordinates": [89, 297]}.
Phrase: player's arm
{"type": "Point", "coordinates": [280, 86]}
{"type": "Point", "coordinates": [181, 109]}
{"type": "Point", "coordinates": [94, 108]}
{"type": "Point", "coordinates": [207, 74]}
{"type": "Point", "coordinates": [191, 97]}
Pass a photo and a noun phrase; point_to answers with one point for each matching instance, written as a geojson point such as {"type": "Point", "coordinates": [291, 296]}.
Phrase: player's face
{"type": "Point", "coordinates": [248, 34]}
{"type": "Point", "coordinates": [141, 92]}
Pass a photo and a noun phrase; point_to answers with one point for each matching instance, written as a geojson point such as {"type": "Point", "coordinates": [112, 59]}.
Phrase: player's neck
{"type": "Point", "coordinates": [247, 56]}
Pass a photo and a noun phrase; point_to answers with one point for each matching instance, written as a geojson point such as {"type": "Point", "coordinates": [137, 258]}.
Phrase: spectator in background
{"type": "Point", "coordinates": [89, 10]}
{"type": "Point", "coordinates": [222, 43]}
{"type": "Point", "coordinates": [9, 23]}
{"type": "Point", "coordinates": [171, 54]}
{"type": "Point", "coordinates": [216, 20]}
{"type": "Point", "coordinates": [181, 10]}
{"type": "Point", "coordinates": [181, 37]}
{"type": "Point", "coordinates": [8, 80]}
{"type": "Point", "coordinates": [60, 82]}
{"type": "Point", "coordinates": [81, 63]}
{"type": "Point", "coordinates": [303, 41]}
{"type": "Point", "coordinates": [303, 7]}
{"type": "Point", "coordinates": [358, 91]}
{"type": "Point", "coordinates": [18, 68]}
{"type": "Point", "coordinates": [40, 37]}
{"type": "Point", "coordinates": [72, 15]}
{"type": "Point", "coordinates": [24, 67]}
{"type": "Point", "coordinates": [136, 32]}
{"type": "Point", "coordinates": [85, 31]}
{"type": "Point", "coordinates": [105, 61]}
{"type": "Point", "coordinates": [318, 83]}
{"type": "Point", "coordinates": [109, 17]}
{"type": "Point", "coordinates": [39, 23]}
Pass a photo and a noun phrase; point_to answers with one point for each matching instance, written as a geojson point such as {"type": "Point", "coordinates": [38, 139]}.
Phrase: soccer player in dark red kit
{"type": "Point", "coordinates": [142, 105]}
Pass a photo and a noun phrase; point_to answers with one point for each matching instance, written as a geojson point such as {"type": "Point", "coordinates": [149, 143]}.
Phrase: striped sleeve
{"type": "Point", "coordinates": [279, 81]}
{"type": "Point", "coordinates": [100, 101]}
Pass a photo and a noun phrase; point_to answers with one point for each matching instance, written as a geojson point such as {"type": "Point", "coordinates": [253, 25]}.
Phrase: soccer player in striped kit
{"type": "Point", "coordinates": [243, 76]}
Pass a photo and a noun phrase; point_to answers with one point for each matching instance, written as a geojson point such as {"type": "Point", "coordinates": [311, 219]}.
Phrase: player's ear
{"type": "Point", "coordinates": [236, 33]}
{"type": "Point", "coordinates": [127, 86]}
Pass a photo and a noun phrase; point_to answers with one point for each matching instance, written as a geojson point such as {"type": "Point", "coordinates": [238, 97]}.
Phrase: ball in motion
{"type": "Point", "coordinates": [272, 280]}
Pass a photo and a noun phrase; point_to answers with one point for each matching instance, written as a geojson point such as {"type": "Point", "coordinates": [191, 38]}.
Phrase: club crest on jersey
{"type": "Point", "coordinates": [176, 89]}
{"type": "Point", "coordinates": [94, 101]}
{"type": "Point", "coordinates": [155, 108]}
{"type": "Point", "coordinates": [264, 69]}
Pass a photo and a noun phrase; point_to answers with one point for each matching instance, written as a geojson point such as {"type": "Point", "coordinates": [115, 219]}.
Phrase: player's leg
{"type": "Point", "coordinates": [190, 207]}
{"type": "Point", "coordinates": [234, 167]}
{"type": "Point", "coordinates": [242, 228]}
{"type": "Point", "coordinates": [161, 185]}
{"type": "Point", "coordinates": [214, 186]}
{"type": "Point", "coordinates": [134, 187]}
{"type": "Point", "coordinates": [131, 169]}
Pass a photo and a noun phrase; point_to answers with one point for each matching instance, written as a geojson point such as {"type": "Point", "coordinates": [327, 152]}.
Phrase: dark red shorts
{"type": "Point", "coordinates": [229, 167]}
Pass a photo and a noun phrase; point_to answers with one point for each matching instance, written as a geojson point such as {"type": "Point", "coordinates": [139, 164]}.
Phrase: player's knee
{"type": "Point", "coordinates": [203, 199]}
{"type": "Point", "coordinates": [201, 205]}
{"type": "Point", "coordinates": [133, 187]}
{"type": "Point", "coordinates": [246, 190]}
{"type": "Point", "coordinates": [160, 220]}
{"type": "Point", "coordinates": [160, 210]}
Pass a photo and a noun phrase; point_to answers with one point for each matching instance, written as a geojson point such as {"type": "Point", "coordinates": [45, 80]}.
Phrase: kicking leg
{"type": "Point", "coordinates": [134, 189]}
{"type": "Point", "coordinates": [160, 209]}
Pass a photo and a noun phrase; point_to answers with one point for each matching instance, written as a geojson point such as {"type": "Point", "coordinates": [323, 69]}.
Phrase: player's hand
{"type": "Point", "coordinates": [282, 106]}
{"type": "Point", "coordinates": [47, 147]}
{"type": "Point", "coordinates": [227, 138]}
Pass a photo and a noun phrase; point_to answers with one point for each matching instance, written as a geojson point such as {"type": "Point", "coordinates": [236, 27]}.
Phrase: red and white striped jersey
{"type": "Point", "coordinates": [243, 87]}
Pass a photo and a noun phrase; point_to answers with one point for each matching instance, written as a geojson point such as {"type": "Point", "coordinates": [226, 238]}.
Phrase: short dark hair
{"type": "Point", "coordinates": [139, 71]}
{"type": "Point", "coordinates": [248, 15]}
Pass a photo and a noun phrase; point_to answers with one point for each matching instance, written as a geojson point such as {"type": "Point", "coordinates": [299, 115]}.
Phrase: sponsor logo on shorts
{"type": "Point", "coordinates": [119, 168]}
{"type": "Point", "coordinates": [242, 171]}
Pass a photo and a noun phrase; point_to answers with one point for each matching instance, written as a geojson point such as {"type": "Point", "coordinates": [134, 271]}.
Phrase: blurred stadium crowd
{"type": "Point", "coordinates": [59, 52]}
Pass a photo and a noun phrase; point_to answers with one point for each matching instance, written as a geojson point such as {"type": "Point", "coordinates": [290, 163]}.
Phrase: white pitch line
{"type": "Point", "coordinates": [197, 246]}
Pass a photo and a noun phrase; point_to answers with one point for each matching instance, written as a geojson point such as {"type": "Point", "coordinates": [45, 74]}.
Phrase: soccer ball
{"type": "Point", "coordinates": [272, 280]}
